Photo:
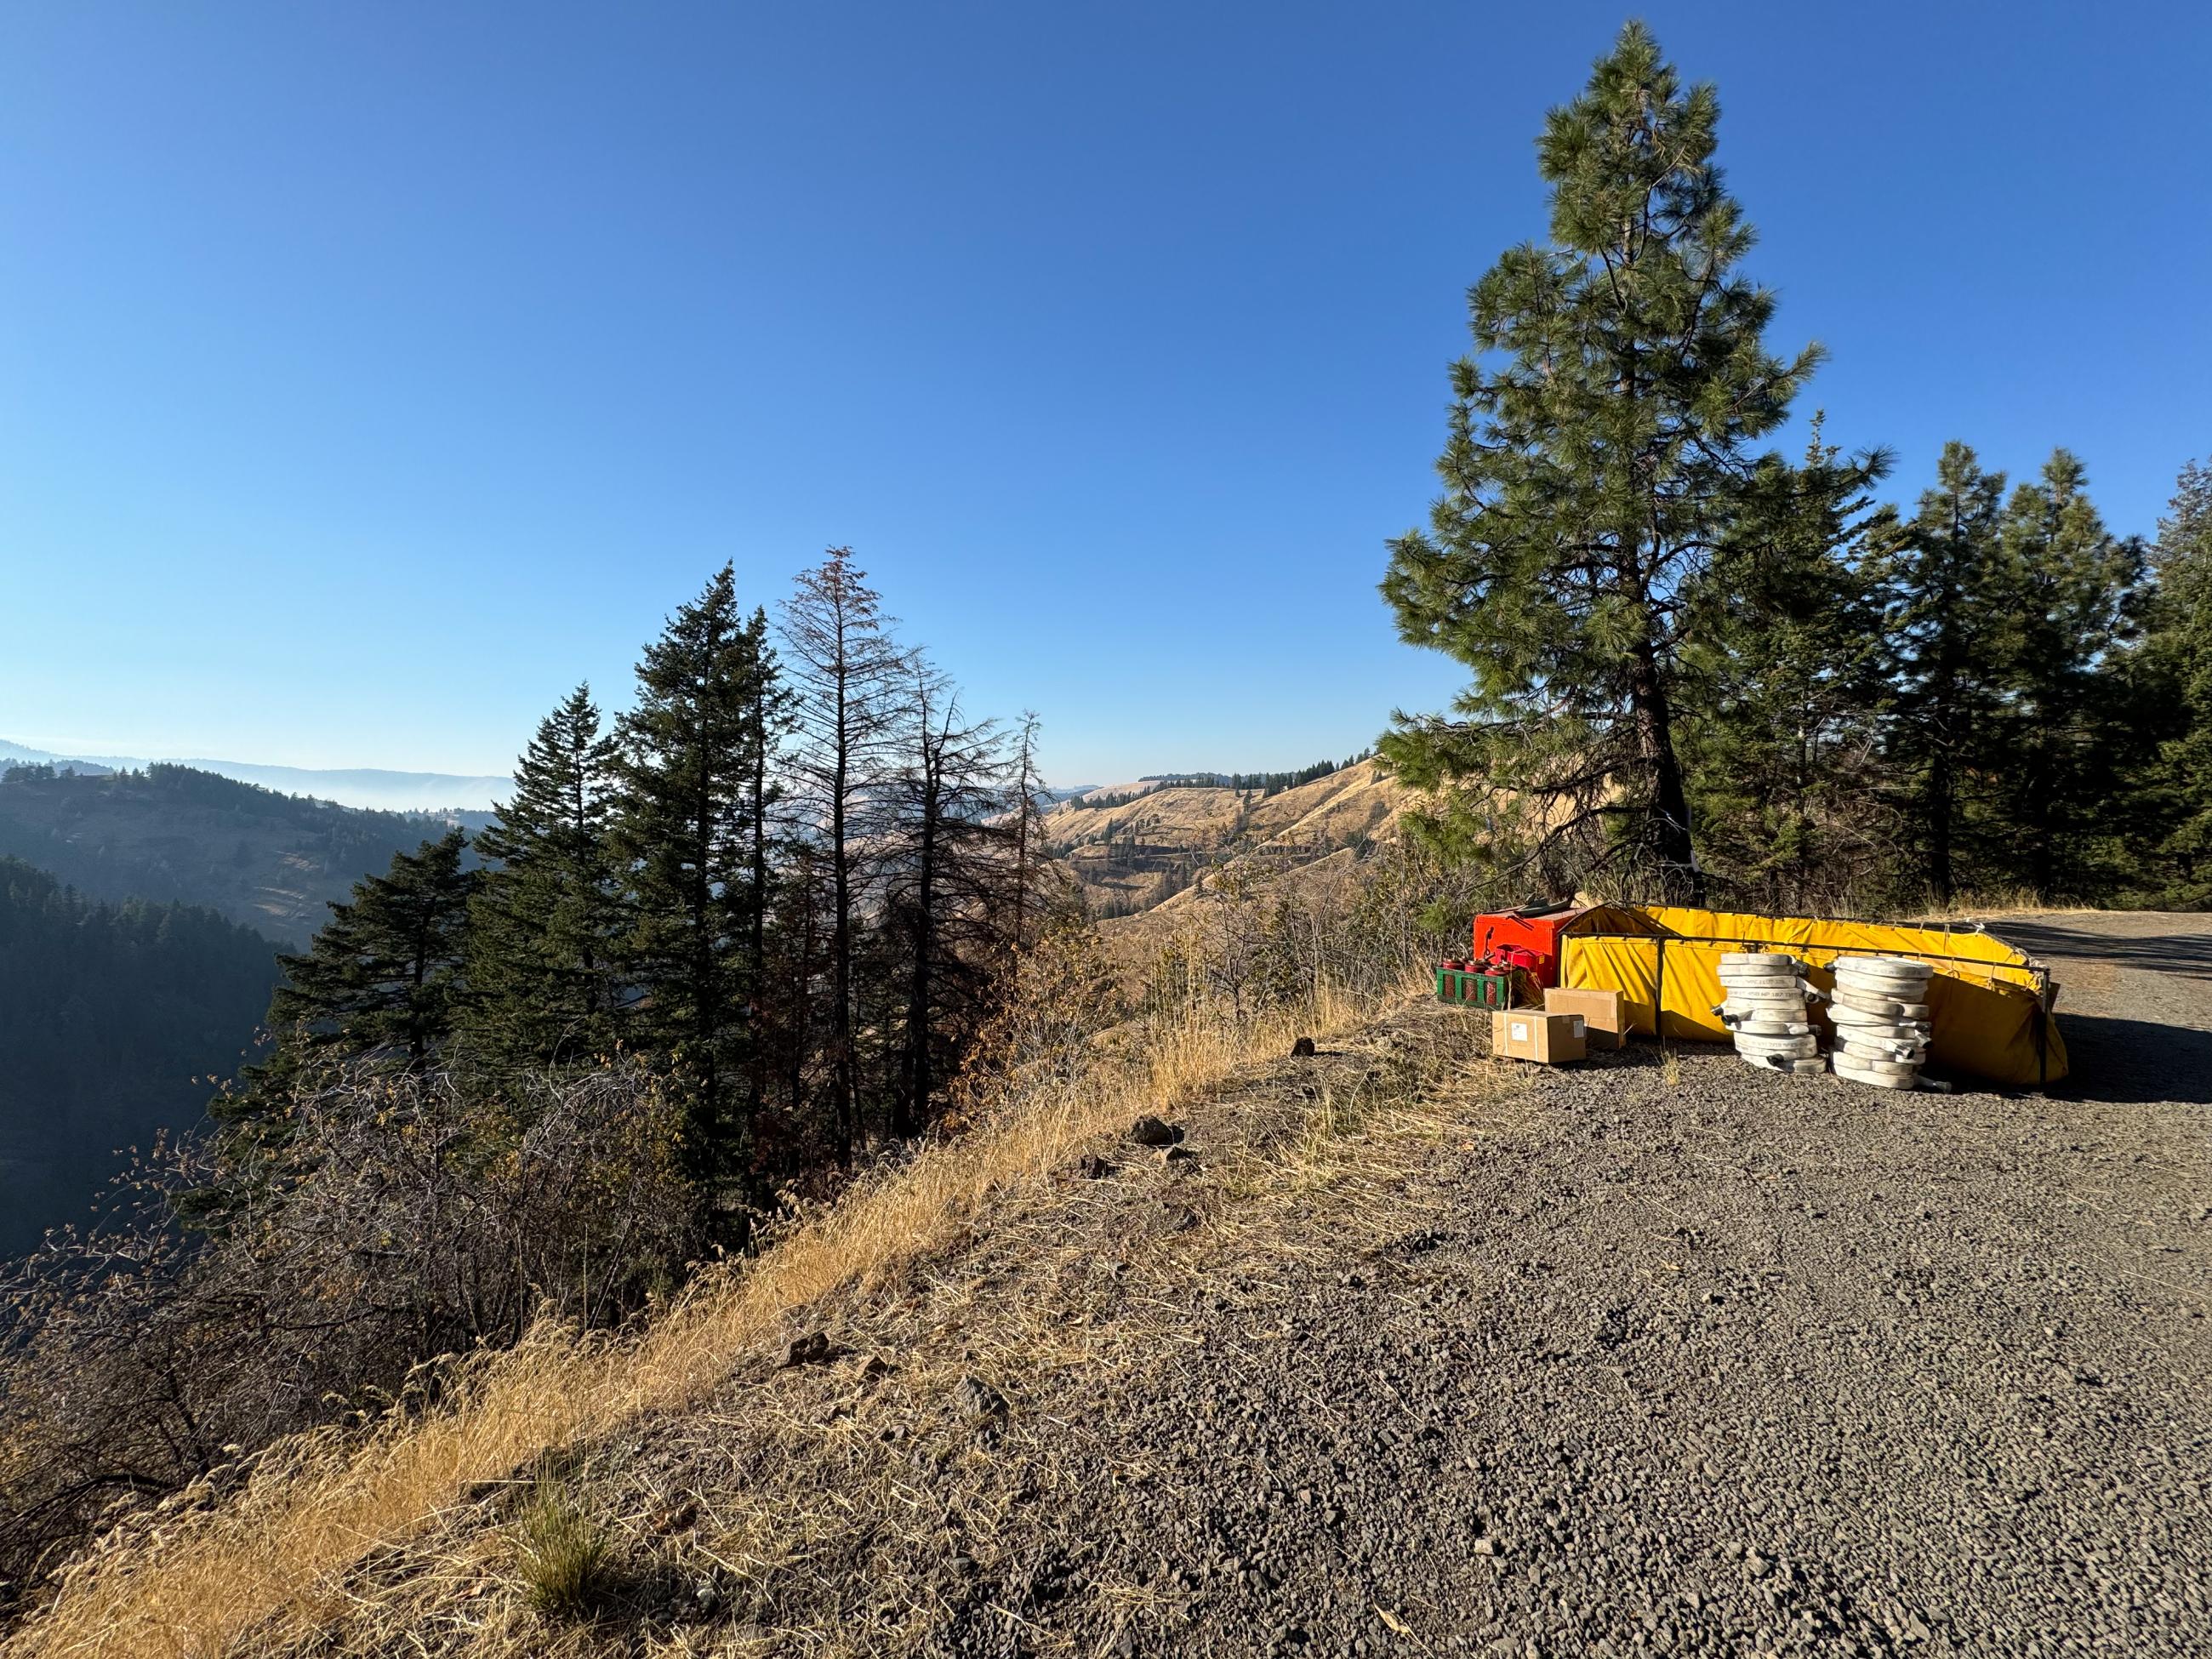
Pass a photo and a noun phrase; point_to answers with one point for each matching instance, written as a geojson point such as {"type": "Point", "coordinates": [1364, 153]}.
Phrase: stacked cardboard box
{"type": "Point", "coordinates": [1602, 1019]}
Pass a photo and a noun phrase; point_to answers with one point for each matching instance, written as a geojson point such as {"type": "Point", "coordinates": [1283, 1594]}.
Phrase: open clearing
{"type": "Point", "coordinates": [1420, 1352]}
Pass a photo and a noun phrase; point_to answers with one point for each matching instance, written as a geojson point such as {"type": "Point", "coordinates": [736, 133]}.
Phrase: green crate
{"type": "Point", "coordinates": [1462, 986]}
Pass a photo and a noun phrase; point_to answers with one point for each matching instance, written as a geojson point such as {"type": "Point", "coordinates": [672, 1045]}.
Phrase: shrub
{"type": "Point", "coordinates": [400, 1221]}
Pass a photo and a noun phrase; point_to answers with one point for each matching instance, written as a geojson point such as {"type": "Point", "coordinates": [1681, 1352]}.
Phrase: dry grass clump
{"type": "Point", "coordinates": [257, 1569]}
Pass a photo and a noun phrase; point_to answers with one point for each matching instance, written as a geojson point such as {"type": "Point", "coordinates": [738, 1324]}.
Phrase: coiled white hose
{"type": "Point", "coordinates": [1764, 1011]}
{"type": "Point", "coordinates": [1879, 1010]}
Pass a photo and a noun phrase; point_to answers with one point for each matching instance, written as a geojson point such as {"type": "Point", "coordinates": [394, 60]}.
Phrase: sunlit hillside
{"type": "Point", "coordinates": [1134, 846]}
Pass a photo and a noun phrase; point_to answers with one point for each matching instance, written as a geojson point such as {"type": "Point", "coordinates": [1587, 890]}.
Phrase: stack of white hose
{"type": "Point", "coordinates": [1880, 1012]}
{"type": "Point", "coordinates": [1766, 1011]}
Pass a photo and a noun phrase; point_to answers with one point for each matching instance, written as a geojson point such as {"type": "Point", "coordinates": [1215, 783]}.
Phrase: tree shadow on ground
{"type": "Point", "coordinates": [2123, 1061]}
{"type": "Point", "coordinates": [2188, 955]}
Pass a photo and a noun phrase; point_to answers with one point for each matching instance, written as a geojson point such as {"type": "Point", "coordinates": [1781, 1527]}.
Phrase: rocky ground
{"type": "Point", "coordinates": [1400, 1351]}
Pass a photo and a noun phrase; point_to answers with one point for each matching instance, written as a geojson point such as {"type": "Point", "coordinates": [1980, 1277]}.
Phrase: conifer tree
{"type": "Point", "coordinates": [1782, 733]}
{"type": "Point", "coordinates": [1947, 614]}
{"type": "Point", "coordinates": [546, 933]}
{"type": "Point", "coordinates": [2069, 588]}
{"type": "Point", "coordinates": [1599, 447]}
{"type": "Point", "coordinates": [771, 725]}
{"type": "Point", "coordinates": [1028, 790]}
{"type": "Point", "coordinates": [685, 834]}
{"type": "Point", "coordinates": [2174, 702]}
{"type": "Point", "coordinates": [845, 673]}
{"type": "Point", "coordinates": [946, 880]}
{"type": "Point", "coordinates": [385, 976]}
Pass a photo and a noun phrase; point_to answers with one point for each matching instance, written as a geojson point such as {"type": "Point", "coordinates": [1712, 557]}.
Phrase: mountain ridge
{"type": "Point", "coordinates": [172, 834]}
{"type": "Point", "coordinates": [366, 787]}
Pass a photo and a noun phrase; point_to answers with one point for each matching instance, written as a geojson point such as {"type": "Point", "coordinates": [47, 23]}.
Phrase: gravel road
{"type": "Point", "coordinates": [1657, 1354]}
{"type": "Point", "coordinates": [1700, 1360]}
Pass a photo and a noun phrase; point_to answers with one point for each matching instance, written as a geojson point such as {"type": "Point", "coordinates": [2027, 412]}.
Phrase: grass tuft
{"type": "Point", "coordinates": [565, 1559]}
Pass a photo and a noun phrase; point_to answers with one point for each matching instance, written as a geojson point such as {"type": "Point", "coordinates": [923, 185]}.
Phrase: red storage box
{"type": "Point", "coordinates": [1527, 939]}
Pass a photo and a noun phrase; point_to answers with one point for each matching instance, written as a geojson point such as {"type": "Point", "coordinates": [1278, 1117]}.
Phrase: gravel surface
{"type": "Point", "coordinates": [1658, 1354]}
{"type": "Point", "coordinates": [2135, 1000]}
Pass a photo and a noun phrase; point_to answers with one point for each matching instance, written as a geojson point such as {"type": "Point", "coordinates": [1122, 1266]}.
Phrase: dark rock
{"type": "Point", "coordinates": [1302, 1048]}
{"type": "Point", "coordinates": [1094, 1168]}
{"type": "Point", "coordinates": [1149, 1131]}
{"type": "Point", "coordinates": [978, 1400]}
{"type": "Point", "coordinates": [811, 1349]}
{"type": "Point", "coordinates": [1178, 1155]}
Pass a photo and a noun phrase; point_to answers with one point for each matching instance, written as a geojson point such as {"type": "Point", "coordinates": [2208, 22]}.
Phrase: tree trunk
{"type": "Point", "coordinates": [841, 936]}
{"type": "Point", "coordinates": [1680, 881]}
{"type": "Point", "coordinates": [1939, 794]}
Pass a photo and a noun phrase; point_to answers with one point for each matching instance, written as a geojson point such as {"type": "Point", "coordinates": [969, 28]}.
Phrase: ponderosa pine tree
{"type": "Point", "coordinates": [384, 977]}
{"type": "Point", "coordinates": [545, 935]}
{"type": "Point", "coordinates": [685, 837]}
{"type": "Point", "coordinates": [2068, 586]}
{"type": "Point", "coordinates": [1599, 449]}
{"type": "Point", "coordinates": [846, 675]}
{"type": "Point", "coordinates": [1782, 733]}
{"type": "Point", "coordinates": [2174, 702]}
{"type": "Point", "coordinates": [1946, 626]}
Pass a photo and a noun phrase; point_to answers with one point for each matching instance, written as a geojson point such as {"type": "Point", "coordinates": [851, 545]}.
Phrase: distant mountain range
{"type": "Point", "coordinates": [361, 786]}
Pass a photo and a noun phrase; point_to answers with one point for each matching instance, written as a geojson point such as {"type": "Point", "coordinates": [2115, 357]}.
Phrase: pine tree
{"type": "Point", "coordinates": [1947, 622]}
{"type": "Point", "coordinates": [771, 725]}
{"type": "Point", "coordinates": [685, 835]}
{"type": "Point", "coordinates": [947, 884]}
{"type": "Point", "coordinates": [384, 977]}
{"type": "Point", "coordinates": [1028, 792]}
{"type": "Point", "coordinates": [2067, 586]}
{"type": "Point", "coordinates": [1783, 670]}
{"type": "Point", "coordinates": [846, 674]}
{"type": "Point", "coordinates": [1598, 451]}
{"type": "Point", "coordinates": [2174, 702]}
{"type": "Point", "coordinates": [547, 930]}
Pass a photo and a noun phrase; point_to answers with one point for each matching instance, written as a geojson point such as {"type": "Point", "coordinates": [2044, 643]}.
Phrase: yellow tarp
{"type": "Point", "coordinates": [1988, 1004]}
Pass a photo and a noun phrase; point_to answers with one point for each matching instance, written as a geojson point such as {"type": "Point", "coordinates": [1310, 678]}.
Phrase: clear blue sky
{"type": "Point", "coordinates": [371, 374]}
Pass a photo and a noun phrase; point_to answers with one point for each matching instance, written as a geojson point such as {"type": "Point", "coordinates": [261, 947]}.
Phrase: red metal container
{"type": "Point", "coordinates": [1527, 939]}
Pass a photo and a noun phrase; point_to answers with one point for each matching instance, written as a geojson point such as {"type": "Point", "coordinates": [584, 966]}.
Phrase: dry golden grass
{"type": "Point", "coordinates": [248, 1573]}
{"type": "Point", "coordinates": [825, 1502]}
{"type": "Point", "coordinates": [1980, 907]}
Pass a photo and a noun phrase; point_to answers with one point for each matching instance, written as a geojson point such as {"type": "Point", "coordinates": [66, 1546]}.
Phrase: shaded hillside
{"type": "Point", "coordinates": [111, 1012]}
{"type": "Point", "coordinates": [1133, 847]}
{"type": "Point", "coordinates": [170, 834]}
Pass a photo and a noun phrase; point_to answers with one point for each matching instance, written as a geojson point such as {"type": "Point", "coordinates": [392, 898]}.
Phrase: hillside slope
{"type": "Point", "coordinates": [1405, 1352]}
{"type": "Point", "coordinates": [1131, 854]}
{"type": "Point", "coordinates": [111, 1013]}
{"type": "Point", "coordinates": [171, 835]}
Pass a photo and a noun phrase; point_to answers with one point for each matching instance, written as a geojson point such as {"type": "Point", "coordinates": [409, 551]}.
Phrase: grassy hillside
{"type": "Point", "coordinates": [1133, 846]}
{"type": "Point", "coordinates": [259, 1571]}
{"type": "Point", "coordinates": [111, 1011]}
{"type": "Point", "coordinates": [170, 834]}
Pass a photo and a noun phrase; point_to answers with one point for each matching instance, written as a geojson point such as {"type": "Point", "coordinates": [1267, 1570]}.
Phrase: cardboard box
{"type": "Point", "coordinates": [1601, 1011]}
{"type": "Point", "coordinates": [1535, 1034]}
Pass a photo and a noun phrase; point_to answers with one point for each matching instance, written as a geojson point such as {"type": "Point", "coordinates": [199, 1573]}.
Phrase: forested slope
{"type": "Point", "coordinates": [111, 1012]}
{"type": "Point", "coordinates": [171, 835]}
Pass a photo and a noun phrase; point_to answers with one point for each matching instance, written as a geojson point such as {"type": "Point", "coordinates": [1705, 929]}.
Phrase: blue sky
{"type": "Point", "coordinates": [371, 374]}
